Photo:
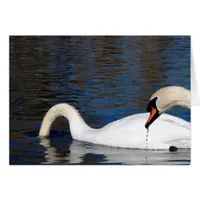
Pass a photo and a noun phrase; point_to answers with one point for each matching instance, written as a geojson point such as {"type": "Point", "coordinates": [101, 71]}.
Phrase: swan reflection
{"type": "Point", "coordinates": [78, 152]}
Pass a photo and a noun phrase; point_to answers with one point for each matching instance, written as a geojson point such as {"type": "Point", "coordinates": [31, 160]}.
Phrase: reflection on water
{"type": "Point", "coordinates": [62, 149]}
{"type": "Point", "coordinates": [87, 153]}
{"type": "Point", "coordinates": [105, 78]}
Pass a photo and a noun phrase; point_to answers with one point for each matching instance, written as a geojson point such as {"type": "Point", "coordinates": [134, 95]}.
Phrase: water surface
{"type": "Point", "coordinates": [105, 78]}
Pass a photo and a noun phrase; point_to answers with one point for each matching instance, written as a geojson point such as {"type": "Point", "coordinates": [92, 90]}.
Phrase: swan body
{"type": "Point", "coordinates": [128, 132]}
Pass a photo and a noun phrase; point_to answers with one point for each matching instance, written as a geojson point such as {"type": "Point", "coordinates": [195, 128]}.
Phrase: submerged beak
{"type": "Point", "coordinates": [154, 114]}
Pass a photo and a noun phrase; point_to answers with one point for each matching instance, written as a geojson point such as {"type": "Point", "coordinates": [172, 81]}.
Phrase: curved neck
{"type": "Point", "coordinates": [76, 122]}
{"type": "Point", "coordinates": [173, 96]}
{"type": "Point", "coordinates": [182, 98]}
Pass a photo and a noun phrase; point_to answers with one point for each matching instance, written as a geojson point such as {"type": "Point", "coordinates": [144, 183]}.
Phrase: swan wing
{"type": "Point", "coordinates": [129, 132]}
{"type": "Point", "coordinates": [175, 120]}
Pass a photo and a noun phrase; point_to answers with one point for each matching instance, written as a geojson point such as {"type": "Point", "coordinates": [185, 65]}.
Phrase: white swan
{"type": "Point", "coordinates": [130, 132]}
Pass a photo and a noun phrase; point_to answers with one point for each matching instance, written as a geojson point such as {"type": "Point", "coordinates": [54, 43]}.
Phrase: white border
{"type": "Point", "coordinates": [102, 17]}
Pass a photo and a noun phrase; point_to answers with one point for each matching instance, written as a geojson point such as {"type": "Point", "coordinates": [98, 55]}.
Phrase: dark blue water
{"type": "Point", "coordinates": [105, 78]}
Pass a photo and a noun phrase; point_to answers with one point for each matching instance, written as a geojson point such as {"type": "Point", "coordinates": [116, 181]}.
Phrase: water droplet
{"type": "Point", "coordinates": [146, 145]}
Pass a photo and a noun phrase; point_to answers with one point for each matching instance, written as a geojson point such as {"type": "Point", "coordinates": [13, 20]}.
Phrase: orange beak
{"type": "Point", "coordinates": [153, 116]}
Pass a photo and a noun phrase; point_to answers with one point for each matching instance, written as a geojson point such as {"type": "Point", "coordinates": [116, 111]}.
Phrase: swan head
{"type": "Point", "coordinates": [154, 112]}
{"type": "Point", "coordinates": [164, 99]}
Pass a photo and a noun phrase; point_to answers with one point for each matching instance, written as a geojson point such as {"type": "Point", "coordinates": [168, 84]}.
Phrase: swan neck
{"type": "Point", "coordinates": [183, 99]}
{"type": "Point", "coordinates": [172, 96]}
{"type": "Point", "coordinates": [76, 122]}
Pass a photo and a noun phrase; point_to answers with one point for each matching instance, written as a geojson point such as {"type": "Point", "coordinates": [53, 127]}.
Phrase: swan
{"type": "Point", "coordinates": [130, 132]}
